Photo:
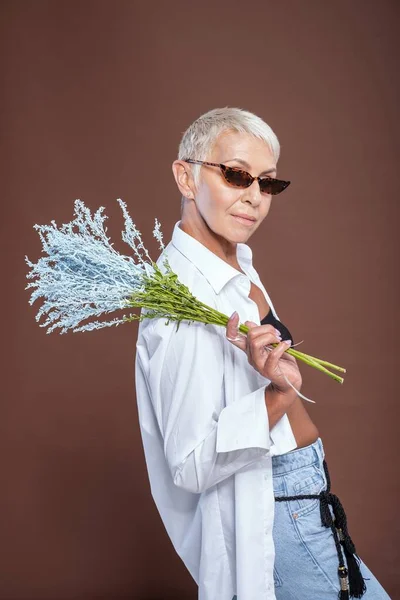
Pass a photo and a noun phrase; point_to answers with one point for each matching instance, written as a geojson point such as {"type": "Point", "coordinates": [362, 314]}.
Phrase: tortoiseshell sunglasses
{"type": "Point", "coordinates": [243, 179]}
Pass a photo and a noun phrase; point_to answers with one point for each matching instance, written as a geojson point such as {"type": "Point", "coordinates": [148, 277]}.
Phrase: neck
{"type": "Point", "coordinates": [193, 224]}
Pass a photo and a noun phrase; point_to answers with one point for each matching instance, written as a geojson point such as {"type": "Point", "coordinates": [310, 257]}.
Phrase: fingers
{"type": "Point", "coordinates": [287, 357]}
{"type": "Point", "coordinates": [264, 357]}
{"type": "Point", "coordinates": [232, 332]}
{"type": "Point", "coordinates": [261, 336]}
{"type": "Point", "coordinates": [277, 352]}
{"type": "Point", "coordinates": [275, 362]}
{"type": "Point", "coordinates": [253, 343]}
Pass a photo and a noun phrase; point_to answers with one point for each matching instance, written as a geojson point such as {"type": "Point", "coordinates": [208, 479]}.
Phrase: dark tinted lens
{"type": "Point", "coordinates": [273, 186]}
{"type": "Point", "coordinates": [237, 177]}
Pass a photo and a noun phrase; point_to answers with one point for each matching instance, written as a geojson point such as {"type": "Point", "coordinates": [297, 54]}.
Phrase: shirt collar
{"type": "Point", "coordinates": [215, 270]}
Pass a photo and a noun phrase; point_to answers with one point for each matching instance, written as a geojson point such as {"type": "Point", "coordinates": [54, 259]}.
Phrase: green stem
{"type": "Point", "coordinates": [307, 359]}
{"type": "Point", "coordinates": [166, 297]}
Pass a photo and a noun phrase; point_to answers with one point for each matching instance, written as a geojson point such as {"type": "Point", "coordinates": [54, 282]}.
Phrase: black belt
{"type": "Point", "coordinates": [351, 580]}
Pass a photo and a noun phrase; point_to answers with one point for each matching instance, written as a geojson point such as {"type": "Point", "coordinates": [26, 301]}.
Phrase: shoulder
{"type": "Point", "coordinates": [194, 280]}
{"type": "Point", "coordinates": [188, 274]}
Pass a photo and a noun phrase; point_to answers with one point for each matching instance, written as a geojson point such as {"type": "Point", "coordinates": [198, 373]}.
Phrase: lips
{"type": "Point", "coordinates": [244, 221]}
{"type": "Point", "coordinates": [243, 216]}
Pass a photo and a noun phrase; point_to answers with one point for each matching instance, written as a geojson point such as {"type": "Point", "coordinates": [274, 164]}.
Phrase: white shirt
{"type": "Point", "coordinates": [205, 431]}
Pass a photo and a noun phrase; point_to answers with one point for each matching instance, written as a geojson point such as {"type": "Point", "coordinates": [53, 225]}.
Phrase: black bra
{"type": "Point", "coordinates": [269, 319]}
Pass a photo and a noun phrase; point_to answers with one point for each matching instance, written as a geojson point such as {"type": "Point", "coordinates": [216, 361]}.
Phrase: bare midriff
{"type": "Point", "coordinates": [304, 430]}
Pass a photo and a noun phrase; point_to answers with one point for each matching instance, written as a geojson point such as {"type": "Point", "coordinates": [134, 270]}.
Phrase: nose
{"type": "Point", "coordinates": [253, 193]}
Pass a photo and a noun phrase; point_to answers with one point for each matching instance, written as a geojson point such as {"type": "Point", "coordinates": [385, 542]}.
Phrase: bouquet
{"type": "Point", "coordinates": [81, 277]}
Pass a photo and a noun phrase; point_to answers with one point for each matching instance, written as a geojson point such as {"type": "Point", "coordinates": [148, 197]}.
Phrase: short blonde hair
{"type": "Point", "coordinates": [200, 137]}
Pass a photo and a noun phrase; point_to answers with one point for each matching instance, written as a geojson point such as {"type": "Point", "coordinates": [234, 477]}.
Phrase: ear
{"type": "Point", "coordinates": [184, 178]}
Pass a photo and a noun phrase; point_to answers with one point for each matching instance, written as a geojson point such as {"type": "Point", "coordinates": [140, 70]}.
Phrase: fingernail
{"type": "Point", "coordinates": [234, 315]}
{"type": "Point", "coordinates": [278, 334]}
{"type": "Point", "coordinates": [287, 342]}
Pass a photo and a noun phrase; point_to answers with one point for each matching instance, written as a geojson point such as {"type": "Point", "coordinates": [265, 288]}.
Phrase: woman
{"type": "Point", "coordinates": [226, 437]}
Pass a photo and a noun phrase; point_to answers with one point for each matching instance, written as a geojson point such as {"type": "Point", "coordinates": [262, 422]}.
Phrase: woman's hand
{"type": "Point", "coordinates": [272, 363]}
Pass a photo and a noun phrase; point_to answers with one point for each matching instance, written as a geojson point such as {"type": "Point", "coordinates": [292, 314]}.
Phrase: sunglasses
{"type": "Point", "coordinates": [243, 179]}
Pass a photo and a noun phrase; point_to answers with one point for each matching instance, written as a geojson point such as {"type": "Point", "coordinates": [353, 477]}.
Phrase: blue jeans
{"type": "Point", "coordinates": [306, 560]}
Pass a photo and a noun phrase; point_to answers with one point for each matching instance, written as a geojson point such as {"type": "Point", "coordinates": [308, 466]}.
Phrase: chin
{"type": "Point", "coordinates": [239, 237]}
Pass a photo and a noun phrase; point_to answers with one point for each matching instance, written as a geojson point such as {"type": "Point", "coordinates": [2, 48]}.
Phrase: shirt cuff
{"type": "Point", "coordinates": [282, 438]}
{"type": "Point", "coordinates": [244, 424]}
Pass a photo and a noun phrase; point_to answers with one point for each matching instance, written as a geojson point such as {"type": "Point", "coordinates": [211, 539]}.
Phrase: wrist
{"type": "Point", "coordinates": [274, 394]}
{"type": "Point", "coordinates": [277, 403]}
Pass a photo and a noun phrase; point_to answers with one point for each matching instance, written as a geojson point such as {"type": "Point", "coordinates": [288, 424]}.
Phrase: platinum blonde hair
{"type": "Point", "coordinates": [199, 138]}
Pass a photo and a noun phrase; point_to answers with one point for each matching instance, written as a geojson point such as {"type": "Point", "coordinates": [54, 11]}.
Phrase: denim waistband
{"type": "Point", "coordinates": [296, 459]}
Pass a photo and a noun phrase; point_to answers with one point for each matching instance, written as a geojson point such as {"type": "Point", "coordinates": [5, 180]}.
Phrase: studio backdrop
{"type": "Point", "coordinates": [95, 97]}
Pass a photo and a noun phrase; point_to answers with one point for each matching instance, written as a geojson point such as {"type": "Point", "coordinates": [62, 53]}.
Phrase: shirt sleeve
{"type": "Point", "coordinates": [204, 441]}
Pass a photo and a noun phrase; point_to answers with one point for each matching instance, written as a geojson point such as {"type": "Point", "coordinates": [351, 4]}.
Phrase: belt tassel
{"type": "Point", "coordinates": [352, 583]}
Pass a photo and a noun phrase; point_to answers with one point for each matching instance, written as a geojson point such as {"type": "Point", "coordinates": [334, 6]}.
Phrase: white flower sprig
{"type": "Point", "coordinates": [81, 276]}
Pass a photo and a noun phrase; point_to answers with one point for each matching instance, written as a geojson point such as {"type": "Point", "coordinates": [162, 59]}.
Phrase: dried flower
{"type": "Point", "coordinates": [81, 276]}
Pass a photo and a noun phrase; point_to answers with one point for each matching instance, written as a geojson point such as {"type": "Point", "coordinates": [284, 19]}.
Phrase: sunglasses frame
{"type": "Point", "coordinates": [237, 169]}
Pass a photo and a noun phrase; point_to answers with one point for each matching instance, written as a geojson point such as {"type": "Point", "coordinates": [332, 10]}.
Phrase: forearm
{"type": "Point", "coordinates": [278, 404]}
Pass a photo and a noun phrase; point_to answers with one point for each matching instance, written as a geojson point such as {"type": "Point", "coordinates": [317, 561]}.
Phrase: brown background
{"type": "Point", "coordinates": [95, 98]}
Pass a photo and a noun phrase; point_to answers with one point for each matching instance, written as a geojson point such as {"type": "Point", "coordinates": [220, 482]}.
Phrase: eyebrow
{"type": "Point", "coordinates": [245, 164]}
